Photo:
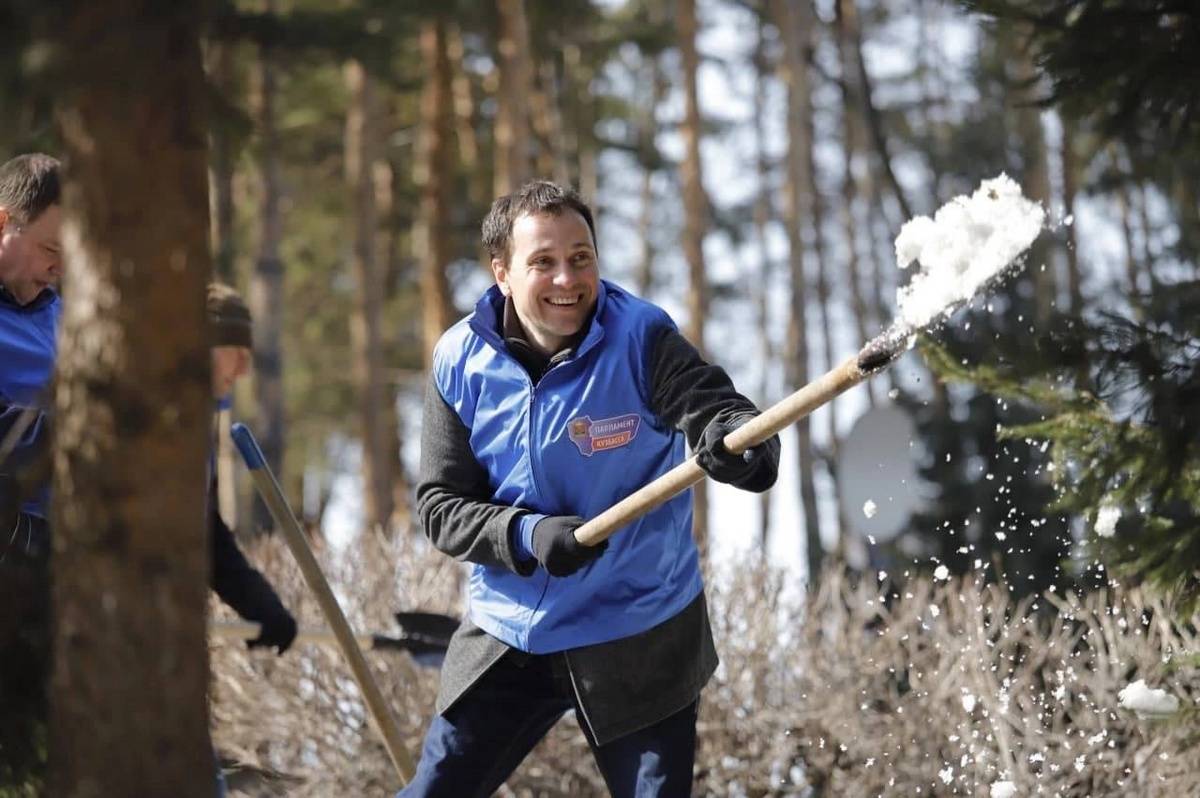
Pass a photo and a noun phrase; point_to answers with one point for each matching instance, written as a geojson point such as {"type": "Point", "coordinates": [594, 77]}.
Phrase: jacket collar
{"type": "Point", "coordinates": [45, 298]}
{"type": "Point", "coordinates": [489, 321]}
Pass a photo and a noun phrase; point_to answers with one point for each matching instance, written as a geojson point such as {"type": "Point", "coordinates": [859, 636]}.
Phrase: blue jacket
{"type": "Point", "coordinates": [579, 441]}
{"type": "Point", "coordinates": [27, 352]}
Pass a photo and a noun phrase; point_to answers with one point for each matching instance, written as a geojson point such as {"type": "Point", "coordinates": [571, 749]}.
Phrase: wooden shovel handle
{"type": "Point", "coordinates": [786, 412]}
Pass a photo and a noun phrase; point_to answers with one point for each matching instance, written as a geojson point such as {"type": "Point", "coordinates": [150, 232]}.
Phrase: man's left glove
{"type": "Point", "coordinates": [754, 469]}
{"type": "Point", "coordinates": [278, 629]}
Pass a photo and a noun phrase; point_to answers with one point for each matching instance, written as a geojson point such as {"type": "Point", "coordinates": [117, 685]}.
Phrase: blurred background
{"type": "Point", "coordinates": [750, 163]}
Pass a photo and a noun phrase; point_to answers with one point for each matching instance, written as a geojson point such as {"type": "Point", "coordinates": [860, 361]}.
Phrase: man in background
{"type": "Point", "coordinates": [30, 266]}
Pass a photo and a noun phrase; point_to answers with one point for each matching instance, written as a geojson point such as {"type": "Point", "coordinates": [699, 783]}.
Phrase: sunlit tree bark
{"type": "Point", "coordinates": [363, 144]}
{"type": "Point", "coordinates": [130, 584]}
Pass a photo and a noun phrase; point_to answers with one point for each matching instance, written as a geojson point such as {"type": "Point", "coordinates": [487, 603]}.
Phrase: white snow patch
{"type": "Point", "coordinates": [1106, 519]}
{"type": "Point", "coordinates": [1147, 701]}
{"type": "Point", "coordinates": [968, 242]}
{"type": "Point", "coordinates": [968, 702]}
{"type": "Point", "coordinates": [1003, 789]}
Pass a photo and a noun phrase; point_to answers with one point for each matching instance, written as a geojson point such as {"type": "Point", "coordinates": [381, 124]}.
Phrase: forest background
{"type": "Point", "coordinates": [751, 164]}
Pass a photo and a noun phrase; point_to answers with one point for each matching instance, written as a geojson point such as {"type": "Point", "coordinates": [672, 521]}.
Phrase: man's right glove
{"type": "Point", "coordinates": [556, 548]}
{"type": "Point", "coordinates": [753, 470]}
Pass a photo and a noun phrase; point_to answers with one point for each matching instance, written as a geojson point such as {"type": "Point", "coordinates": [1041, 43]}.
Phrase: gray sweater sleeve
{"type": "Point", "coordinates": [454, 494]}
{"type": "Point", "coordinates": [689, 393]}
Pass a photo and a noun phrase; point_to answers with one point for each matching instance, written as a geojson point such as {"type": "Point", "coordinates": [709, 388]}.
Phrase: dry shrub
{"type": "Point", "coordinates": [943, 689]}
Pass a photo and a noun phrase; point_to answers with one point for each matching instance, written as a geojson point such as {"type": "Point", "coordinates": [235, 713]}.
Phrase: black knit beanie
{"type": "Point", "coordinates": [228, 317]}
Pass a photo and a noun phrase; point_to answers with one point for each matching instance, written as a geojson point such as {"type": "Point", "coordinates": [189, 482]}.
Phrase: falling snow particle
{"type": "Point", "coordinates": [1106, 519]}
{"type": "Point", "coordinates": [870, 508]}
{"type": "Point", "coordinates": [1003, 789]}
{"type": "Point", "coordinates": [941, 573]}
{"type": "Point", "coordinates": [1146, 701]}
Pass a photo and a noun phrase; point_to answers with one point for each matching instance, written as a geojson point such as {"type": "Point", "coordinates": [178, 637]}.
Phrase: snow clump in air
{"type": "Point", "coordinates": [1106, 519]}
{"type": "Point", "coordinates": [969, 242]}
{"type": "Point", "coordinates": [870, 508]}
{"type": "Point", "coordinates": [1147, 701]}
{"type": "Point", "coordinates": [1003, 789]}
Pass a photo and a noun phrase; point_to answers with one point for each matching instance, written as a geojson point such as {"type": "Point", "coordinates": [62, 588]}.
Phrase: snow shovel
{"type": "Point", "coordinates": [425, 636]}
{"type": "Point", "coordinates": [877, 355]}
{"type": "Point", "coordinates": [268, 488]}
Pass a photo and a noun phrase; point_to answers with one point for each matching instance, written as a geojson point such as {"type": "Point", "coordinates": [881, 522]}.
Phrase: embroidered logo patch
{"type": "Point", "coordinates": [607, 433]}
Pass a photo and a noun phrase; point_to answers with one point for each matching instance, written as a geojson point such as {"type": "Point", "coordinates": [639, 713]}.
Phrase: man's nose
{"type": "Point", "coordinates": [563, 275]}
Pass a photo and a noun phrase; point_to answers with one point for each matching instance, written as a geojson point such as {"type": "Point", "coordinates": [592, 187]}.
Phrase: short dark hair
{"type": "Point", "coordinates": [538, 196]}
{"type": "Point", "coordinates": [29, 184]}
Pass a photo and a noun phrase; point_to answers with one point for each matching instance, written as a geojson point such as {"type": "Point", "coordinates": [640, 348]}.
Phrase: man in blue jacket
{"type": "Point", "coordinates": [560, 395]}
{"type": "Point", "coordinates": [30, 265]}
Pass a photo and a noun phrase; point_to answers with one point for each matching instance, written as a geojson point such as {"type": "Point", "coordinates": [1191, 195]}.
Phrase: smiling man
{"type": "Point", "coordinates": [560, 395]}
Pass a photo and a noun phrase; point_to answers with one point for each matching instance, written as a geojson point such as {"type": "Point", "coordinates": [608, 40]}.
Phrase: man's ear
{"type": "Point", "coordinates": [500, 272]}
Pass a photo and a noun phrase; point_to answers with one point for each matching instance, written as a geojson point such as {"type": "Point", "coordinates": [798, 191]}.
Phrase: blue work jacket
{"type": "Point", "coordinates": [575, 443]}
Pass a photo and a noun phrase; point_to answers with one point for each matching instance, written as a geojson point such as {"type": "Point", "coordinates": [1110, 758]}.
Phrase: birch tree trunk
{"type": "Point", "coordinates": [695, 204]}
{"type": "Point", "coordinates": [363, 152]}
{"type": "Point", "coordinates": [798, 208]}
{"type": "Point", "coordinates": [129, 713]}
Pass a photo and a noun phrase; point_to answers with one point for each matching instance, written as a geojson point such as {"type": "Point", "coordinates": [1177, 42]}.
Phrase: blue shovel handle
{"type": "Point", "coordinates": [251, 452]}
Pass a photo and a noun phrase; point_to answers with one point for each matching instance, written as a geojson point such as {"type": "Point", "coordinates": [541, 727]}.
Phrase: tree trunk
{"type": "Point", "coordinates": [848, 22]}
{"type": "Point", "coordinates": [1070, 167]}
{"type": "Point", "coordinates": [798, 208]}
{"type": "Point", "coordinates": [266, 288]}
{"type": "Point", "coordinates": [649, 160]}
{"type": "Point", "coordinates": [512, 125]}
{"type": "Point", "coordinates": [431, 243]}
{"type": "Point", "coordinates": [363, 153]}
{"type": "Point", "coordinates": [763, 216]}
{"type": "Point", "coordinates": [129, 713]}
{"type": "Point", "coordinates": [852, 148]}
{"type": "Point", "coordinates": [464, 116]}
{"type": "Point", "coordinates": [219, 60]}
{"type": "Point", "coordinates": [695, 204]}
{"type": "Point", "coordinates": [1035, 179]}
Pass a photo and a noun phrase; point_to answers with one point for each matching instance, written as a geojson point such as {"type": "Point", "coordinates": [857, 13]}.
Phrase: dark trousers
{"type": "Point", "coordinates": [473, 748]}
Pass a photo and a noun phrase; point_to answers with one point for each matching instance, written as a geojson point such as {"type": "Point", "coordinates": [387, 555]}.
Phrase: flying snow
{"type": "Point", "coordinates": [969, 242]}
{"type": "Point", "coordinates": [1106, 520]}
{"type": "Point", "coordinates": [870, 508]}
{"type": "Point", "coordinates": [1147, 701]}
{"type": "Point", "coordinates": [1003, 789]}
